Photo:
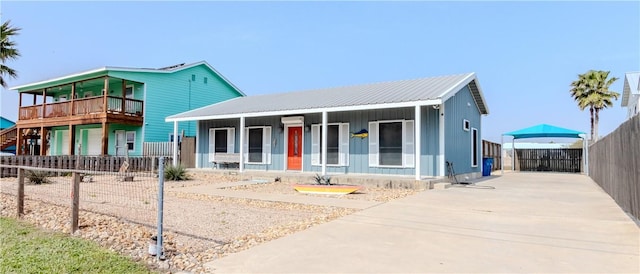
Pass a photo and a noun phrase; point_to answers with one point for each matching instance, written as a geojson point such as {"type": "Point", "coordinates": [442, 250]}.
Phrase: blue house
{"type": "Point", "coordinates": [113, 110]}
{"type": "Point", "coordinates": [7, 143]}
{"type": "Point", "coordinates": [410, 127]}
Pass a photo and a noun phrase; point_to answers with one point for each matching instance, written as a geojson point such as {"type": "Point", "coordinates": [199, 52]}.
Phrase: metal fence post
{"type": "Point", "coordinates": [20, 192]}
{"type": "Point", "coordinates": [159, 253]}
{"type": "Point", "coordinates": [75, 201]}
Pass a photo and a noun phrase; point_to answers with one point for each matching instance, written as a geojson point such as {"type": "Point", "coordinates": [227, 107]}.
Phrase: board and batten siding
{"type": "Point", "coordinates": [171, 93]}
{"type": "Point", "coordinates": [358, 147]}
{"type": "Point", "coordinates": [458, 141]}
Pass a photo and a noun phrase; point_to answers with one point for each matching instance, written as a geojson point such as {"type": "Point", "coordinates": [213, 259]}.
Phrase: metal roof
{"type": "Point", "coordinates": [631, 86]}
{"type": "Point", "coordinates": [90, 73]}
{"type": "Point", "coordinates": [405, 93]}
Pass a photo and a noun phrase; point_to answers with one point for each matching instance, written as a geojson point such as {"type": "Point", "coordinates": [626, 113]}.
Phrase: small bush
{"type": "Point", "coordinates": [38, 177]}
{"type": "Point", "coordinates": [175, 173]}
{"type": "Point", "coordinates": [322, 180]}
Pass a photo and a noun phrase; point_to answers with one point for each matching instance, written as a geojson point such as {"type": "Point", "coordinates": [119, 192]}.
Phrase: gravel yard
{"type": "Point", "coordinates": [199, 227]}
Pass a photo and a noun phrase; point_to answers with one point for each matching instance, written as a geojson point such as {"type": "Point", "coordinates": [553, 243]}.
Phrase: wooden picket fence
{"type": "Point", "coordinates": [76, 162]}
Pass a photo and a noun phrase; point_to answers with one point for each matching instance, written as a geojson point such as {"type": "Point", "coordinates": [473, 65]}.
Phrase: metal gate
{"type": "Point", "coordinates": [551, 160]}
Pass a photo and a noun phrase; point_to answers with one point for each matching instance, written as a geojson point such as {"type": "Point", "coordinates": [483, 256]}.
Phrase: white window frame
{"type": "Point", "coordinates": [231, 141]}
{"type": "Point", "coordinates": [466, 124]}
{"type": "Point", "coordinates": [61, 97]}
{"type": "Point", "coordinates": [133, 91]}
{"type": "Point", "coordinates": [343, 144]}
{"type": "Point", "coordinates": [126, 140]}
{"type": "Point", "coordinates": [474, 142]}
{"type": "Point", "coordinates": [266, 145]}
{"type": "Point", "coordinates": [408, 143]}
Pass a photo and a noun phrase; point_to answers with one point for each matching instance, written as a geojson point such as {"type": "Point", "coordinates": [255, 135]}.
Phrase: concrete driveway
{"type": "Point", "coordinates": [530, 222]}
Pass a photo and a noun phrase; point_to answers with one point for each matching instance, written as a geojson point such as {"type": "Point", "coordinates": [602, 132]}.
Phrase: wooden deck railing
{"type": "Point", "coordinates": [8, 137]}
{"type": "Point", "coordinates": [83, 106]}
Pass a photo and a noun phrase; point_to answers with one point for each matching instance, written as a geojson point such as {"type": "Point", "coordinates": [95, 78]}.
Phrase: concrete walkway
{"type": "Point", "coordinates": [530, 222]}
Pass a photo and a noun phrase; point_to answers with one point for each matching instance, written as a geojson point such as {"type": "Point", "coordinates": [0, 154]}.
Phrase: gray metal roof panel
{"type": "Point", "coordinates": [356, 95]}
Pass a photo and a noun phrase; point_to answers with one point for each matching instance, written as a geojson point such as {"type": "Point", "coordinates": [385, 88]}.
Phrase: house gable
{"type": "Point", "coordinates": [458, 144]}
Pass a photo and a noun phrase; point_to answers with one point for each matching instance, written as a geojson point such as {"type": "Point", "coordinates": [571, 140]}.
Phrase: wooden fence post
{"type": "Point", "coordinates": [75, 201]}
{"type": "Point", "coordinates": [20, 192]}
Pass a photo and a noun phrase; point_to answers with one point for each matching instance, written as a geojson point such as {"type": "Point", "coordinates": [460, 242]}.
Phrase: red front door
{"type": "Point", "coordinates": [294, 154]}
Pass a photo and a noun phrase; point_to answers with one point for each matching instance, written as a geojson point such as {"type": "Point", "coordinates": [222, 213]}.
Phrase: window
{"type": "Point", "coordinates": [131, 140]}
{"type": "Point", "coordinates": [206, 80]}
{"type": "Point", "coordinates": [128, 91]}
{"type": "Point", "coordinates": [337, 144]}
{"type": "Point", "coordinates": [257, 145]}
{"type": "Point", "coordinates": [474, 147]}
{"type": "Point", "coordinates": [221, 140]}
{"type": "Point", "coordinates": [62, 98]}
{"type": "Point", "coordinates": [391, 144]}
{"type": "Point", "coordinates": [465, 124]}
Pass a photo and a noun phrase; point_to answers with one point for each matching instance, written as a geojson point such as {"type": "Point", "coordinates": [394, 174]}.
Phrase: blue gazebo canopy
{"type": "Point", "coordinates": [544, 130]}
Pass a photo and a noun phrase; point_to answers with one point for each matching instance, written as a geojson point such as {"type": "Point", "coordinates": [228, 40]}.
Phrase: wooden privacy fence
{"type": "Point", "coordinates": [494, 151]}
{"type": "Point", "coordinates": [92, 163]}
{"type": "Point", "coordinates": [614, 164]}
{"type": "Point", "coordinates": [550, 159]}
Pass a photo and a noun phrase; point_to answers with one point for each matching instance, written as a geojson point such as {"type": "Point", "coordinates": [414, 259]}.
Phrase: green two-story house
{"type": "Point", "coordinates": [113, 110]}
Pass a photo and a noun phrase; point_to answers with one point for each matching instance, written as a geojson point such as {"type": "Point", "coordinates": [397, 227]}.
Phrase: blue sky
{"type": "Point", "coordinates": [525, 54]}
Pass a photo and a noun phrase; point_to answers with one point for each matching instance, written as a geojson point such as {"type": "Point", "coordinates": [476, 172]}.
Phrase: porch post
{"type": "Point", "coordinates": [72, 141]}
{"type": "Point", "coordinates": [441, 129]}
{"type": "Point", "coordinates": [44, 103]}
{"type": "Point", "coordinates": [324, 143]}
{"type": "Point", "coordinates": [43, 140]}
{"type": "Point", "coordinates": [417, 141]}
{"type": "Point", "coordinates": [175, 143]}
{"type": "Point", "coordinates": [73, 97]}
{"type": "Point", "coordinates": [241, 164]}
{"type": "Point", "coordinates": [19, 141]}
{"type": "Point", "coordinates": [105, 139]}
{"type": "Point", "coordinates": [104, 94]}
{"type": "Point", "coordinates": [124, 97]}
{"type": "Point", "coordinates": [585, 155]}
{"type": "Point", "coordinates": [198, 144]}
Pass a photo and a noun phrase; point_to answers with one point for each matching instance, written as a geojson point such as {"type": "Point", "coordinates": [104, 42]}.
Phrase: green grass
{"type": "Point", "coordinates": [25, 249]}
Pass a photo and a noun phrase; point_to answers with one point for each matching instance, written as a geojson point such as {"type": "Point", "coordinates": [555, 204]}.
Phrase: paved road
{"type": "Point", "coordinates": [530, 222]}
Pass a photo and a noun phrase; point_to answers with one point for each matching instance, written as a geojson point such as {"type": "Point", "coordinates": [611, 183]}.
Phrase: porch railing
{"type": "Point", "coordinates": [82, 106]}
{"type": "Point", "coordinates": [157, 148]}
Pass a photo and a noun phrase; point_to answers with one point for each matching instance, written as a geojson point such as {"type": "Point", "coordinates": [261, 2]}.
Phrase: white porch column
{"type": "Point", "coordinates": [241, 129]}
{"type": "Point", "coordinates": [198, 144]}
{"type": "Point", "coordinates": [585, 155]}
{"type": "Point", "coordinates": [418, 141]}
{"type": "Point", "coordinates": [175, 143]}
{"type": "Point", "coordinates": [324, 143]}
{"type": "Point", "coordinates": [502, 154]}
{"type": "Point", "coordinates": [441, 141]}
{"type": "Point", "coordinates": [513, 154]}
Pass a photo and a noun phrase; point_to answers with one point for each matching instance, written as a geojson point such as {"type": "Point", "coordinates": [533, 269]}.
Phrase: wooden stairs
{"type": "Point", "coordinates": [8, 137]}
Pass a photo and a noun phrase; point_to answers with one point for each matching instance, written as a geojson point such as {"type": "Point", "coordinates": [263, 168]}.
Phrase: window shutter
{"type": "Point", "coordinates": [245, 145]}
{"type": "Point", "coordinates": [212, 145]}
{"type": "Point", "coordinates": [408, 148]}
{"type": "Point", "coordinates": [373, 144]}
{"type": "Point", "coordinates": [266, 146]}
{"type": "Point", "coordinates": [343, 133]}
{"type": "Point", "coordinates": [231, 140]}
{"type": "Point", "coordinates": [315, 144]}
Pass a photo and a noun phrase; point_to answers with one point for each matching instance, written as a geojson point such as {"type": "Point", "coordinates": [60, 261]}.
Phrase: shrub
{"type": "Point", "coordinates": [322, 180]}
{"type": "Point", "coordinates": [38, 177]}
{"type": "Point", "coordinates": [175, 173]}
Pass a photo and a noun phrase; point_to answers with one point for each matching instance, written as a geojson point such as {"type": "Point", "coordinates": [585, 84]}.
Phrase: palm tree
{"type": "Point", "coordinates": [8, 51]}
{"type": "Point", "coordinates": [592, 90]}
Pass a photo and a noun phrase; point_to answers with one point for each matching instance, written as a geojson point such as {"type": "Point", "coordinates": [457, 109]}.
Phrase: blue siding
{"type": "Point", "coordinates": [358, 148]}
{"type": "Point", "coordinates": [458, 141]}
{"type": "Point", "coordinates": [172, 93]}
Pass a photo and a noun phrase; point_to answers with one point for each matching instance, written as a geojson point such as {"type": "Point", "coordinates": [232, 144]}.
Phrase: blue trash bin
{"type": "Point", "coordinates": [487, 165]}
